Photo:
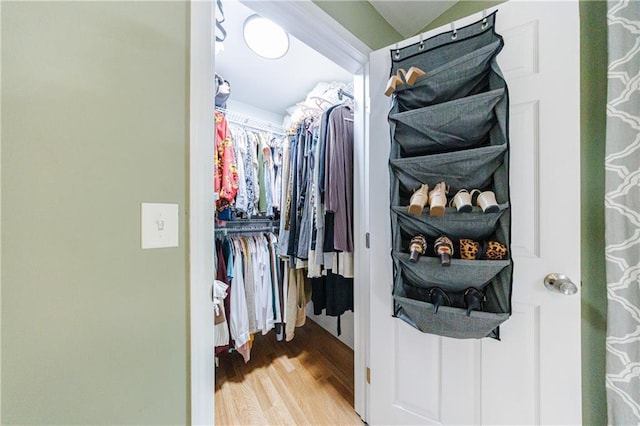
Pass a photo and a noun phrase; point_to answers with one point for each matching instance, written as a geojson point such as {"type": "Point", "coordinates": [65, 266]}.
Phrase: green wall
{"type": "Point", "coordinates": [94, 122]}
{"type": "Point", "coordinates": [362, 20]}
{"type": "Point", "coordinates": [459, 10]}
{"type": "Point", "coordinates": [593, 87]}
{"type": "Point", "coordinates": [593, 118]}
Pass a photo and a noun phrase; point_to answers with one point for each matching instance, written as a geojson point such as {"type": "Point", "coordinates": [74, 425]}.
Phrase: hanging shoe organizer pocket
{"type": "Point", "coordinates": [471, 168]}
{"type": "Point", "coordinates": [453, 70]}
{"type": "Point", "coordinates": [453, 270]}
{"type": "Point", "coordinates": [463, 123]}
{"type": "Point", "coordinates": [474, 225]}
{"type": "Point", "coordinates": [461, 274]}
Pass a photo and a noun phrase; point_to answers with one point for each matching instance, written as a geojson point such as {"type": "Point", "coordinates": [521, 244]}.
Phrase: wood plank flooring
{"type": "Point", "coordinates": [308, 381]}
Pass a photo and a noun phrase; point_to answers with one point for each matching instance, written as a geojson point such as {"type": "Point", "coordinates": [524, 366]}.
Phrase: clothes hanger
{"type": "Point", "coordinates": [320, 101]}
{"type": "Point", "coordinates": [310, 111]}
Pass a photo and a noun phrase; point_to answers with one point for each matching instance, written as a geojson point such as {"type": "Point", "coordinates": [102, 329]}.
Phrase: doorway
{"type": "Point", "coordinates": [307, 23]}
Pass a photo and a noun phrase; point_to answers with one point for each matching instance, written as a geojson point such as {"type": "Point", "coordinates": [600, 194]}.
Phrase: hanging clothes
{"type": "Point", "coordinates": [299, 295]}
{"type": "Point", "coordinates": [220, 325]}
{"type": "Point", "coordinates": [222, 277]}
{"type": "Point", "coordinates": [305, 179]}
{"type": "Point", "coordinates": [262, 292]}
{"type": "Point", "coordinates": [258, 163]}
{"type": "Point", "coordinates": [305, 199]}
{"type": "Point", "coordinates": [317, 205]}
{"type": "Point", "coordinates": [239, 321]}
{"type": "Point", "coordinates": [339, 176]}
{"type": "Point", "coordinates": [225, 173]}
{"type": "Point", "coordinates": [240, 149]}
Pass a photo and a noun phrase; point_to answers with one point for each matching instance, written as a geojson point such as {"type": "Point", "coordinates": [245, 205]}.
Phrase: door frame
{"type": "Point", "coordinates": [200, 215]}
{"type": "Point", "coordinates": [311, 25]}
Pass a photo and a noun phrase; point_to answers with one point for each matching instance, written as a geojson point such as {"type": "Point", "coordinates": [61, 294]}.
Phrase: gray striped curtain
{"type": "Point", "coordinates": [622, 213]}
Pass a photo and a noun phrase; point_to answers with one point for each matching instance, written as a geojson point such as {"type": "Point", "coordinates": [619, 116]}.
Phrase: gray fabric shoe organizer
{"type": "Point", "coordinates": [451, 126]}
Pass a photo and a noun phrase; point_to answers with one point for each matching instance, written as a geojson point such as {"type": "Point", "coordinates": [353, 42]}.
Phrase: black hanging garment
{"type": "Point", "coordinates": [221, 274]}
{"type": "Point", "coordinates": [450, 124]}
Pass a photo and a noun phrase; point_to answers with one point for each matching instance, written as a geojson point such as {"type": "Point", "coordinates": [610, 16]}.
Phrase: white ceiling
{"type": "Point", "coordinates": [270, 84]}
{"type": "Point", "coordinates": [409, 17]}
{"type": "Point", "coordinates": [275, 85]}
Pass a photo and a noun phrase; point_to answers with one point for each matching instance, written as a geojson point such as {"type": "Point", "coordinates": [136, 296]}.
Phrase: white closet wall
{"type": "Point", "coordinates": [330, 324]}
{"type": "Point", "coordinates": [252, 111]}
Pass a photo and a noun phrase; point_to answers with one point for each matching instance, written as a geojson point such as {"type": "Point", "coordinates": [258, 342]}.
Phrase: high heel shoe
{"type": "Point", "coordinates": [473, 299]}
{"type": "Point", "coordinates": [393, 83]}
{"type": "Point", "coordinates": [438, 298]}
{"type": "Point", "coordinates": [412, 75]}
{"type": "Point", "coordinates": [486, 200]}
{"type": "Point", "coordinates": [417, 247]}
{"type": "Point", "coordinates": [443, 247]}
{"type": "Point", "coordinates": [485, 250]}
{"type": "Point", "coordinates": [461, 201]}
{"type": "Point", "coordinates": [438, 199]}
{"type": "Point", "coordinates": [418, 200]}
{"type": "Point", "coordinates": [409, 76]}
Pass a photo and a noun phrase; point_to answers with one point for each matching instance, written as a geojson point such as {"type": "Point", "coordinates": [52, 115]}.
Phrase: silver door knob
{"type": "Point", "coordinates": [560, 283]}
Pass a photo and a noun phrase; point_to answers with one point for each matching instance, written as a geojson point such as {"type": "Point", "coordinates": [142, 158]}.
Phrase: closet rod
{"type": "Point", "coordinates": [225, 231]}
{"type": "Point", "coordinates": [254, 123]}
{"type": "Point", "coordinates": [342, 93]}
{"type": "Point", "coordinates": [249, 226]}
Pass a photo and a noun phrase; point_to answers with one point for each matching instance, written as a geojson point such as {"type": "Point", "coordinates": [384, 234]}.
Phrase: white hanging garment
{"type": "Point", "coordinates": [239, 321]}
{"type": "Point", "coordinates": [220, 328]}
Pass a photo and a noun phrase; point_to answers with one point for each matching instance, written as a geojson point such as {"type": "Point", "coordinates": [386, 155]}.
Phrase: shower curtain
{"type": "Point", "coordinates": [622, 213]}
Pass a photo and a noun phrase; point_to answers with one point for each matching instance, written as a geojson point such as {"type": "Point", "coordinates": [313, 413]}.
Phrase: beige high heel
{"type": "Point", "coordinates": [409, 76]}
{"type": "Point", "coordinates": [438, 199]}
{"type": "Point", "coordinates": [412, 75]}
{"type": "Point", "coordinates": [418, 200]}
{"type": "Point", "coordinates": [394, 82]}
{"type": "Point", "coordinates": [486, 200]}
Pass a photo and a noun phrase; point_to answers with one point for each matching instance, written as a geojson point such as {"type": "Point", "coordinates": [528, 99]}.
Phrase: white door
{"type": "Point", "coordinates": [531, 376]}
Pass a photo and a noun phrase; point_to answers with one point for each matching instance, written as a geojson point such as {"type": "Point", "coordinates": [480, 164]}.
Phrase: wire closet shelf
{"type": "Point", "coordinates": [254, 123]}
{"type": "Point", "coordinates": [248, 226]}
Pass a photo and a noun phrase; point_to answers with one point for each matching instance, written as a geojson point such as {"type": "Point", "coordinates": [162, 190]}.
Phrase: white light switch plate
{"type": "Point", "coordinates": [159, 224]}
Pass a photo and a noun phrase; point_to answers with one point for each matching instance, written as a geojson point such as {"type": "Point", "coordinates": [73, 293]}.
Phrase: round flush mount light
{"type": "Point", "coordinates": [265, 38]}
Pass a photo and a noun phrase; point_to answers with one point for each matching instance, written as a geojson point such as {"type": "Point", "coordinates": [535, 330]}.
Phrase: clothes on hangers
{"type": "Point", "coordinates": [263, 292]}
{"type": "Point", "coordinates": [260, 154]}
{"type": "Point", "coordinates": [307, 179]}
{"type": "Point", "coordinates": [225, 174]}
{"type": "Point", "coordinates": [339, 176]}
{"type": "Point", "coordinates": [222, 341]}
{"type": "Point", "coordinates": [317, 200]}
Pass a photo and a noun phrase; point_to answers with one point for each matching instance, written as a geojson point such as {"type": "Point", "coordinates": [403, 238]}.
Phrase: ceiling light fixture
{"type": "Point", "coordinates": [265, 38]}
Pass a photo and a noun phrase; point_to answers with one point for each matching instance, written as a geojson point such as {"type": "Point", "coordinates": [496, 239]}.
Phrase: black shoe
{"type": "Point", "coordinates": [438, 298]}
{"type": "Point", "coordinates": [473, 300]}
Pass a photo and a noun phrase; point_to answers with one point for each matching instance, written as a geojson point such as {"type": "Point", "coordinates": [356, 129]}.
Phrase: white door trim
{"type": "Point", "coordinates": [200, 213]}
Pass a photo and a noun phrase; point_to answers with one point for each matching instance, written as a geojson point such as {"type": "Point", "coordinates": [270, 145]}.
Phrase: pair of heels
{"type": "Point", "coordinates": [472, 299]}
{"type": "Point", "coordinates": [442, 247]}
{"type": "Point", "coordinates": [436, 198]}
{"type": "Point", "coordinates": [410, 77]}
{"type": "Point", "coordinates": [464, 200]}
{"type": "Point", "coordinates": [486, 250]}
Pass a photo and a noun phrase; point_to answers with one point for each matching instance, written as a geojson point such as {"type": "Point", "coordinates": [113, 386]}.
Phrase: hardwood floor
{"type": "Point", "coordinates": [308, 381]}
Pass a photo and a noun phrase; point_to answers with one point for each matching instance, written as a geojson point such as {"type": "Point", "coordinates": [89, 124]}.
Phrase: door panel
{"type": "Point", "coordinates": [524, 120]}
{"type": "Point", "coordinates": [532, 375]}
{"type": "Point", "coordinates": [516, 386]}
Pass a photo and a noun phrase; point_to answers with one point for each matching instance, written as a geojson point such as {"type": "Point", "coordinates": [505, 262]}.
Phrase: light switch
{"type": "Point", "coordinates": [159, 224]}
